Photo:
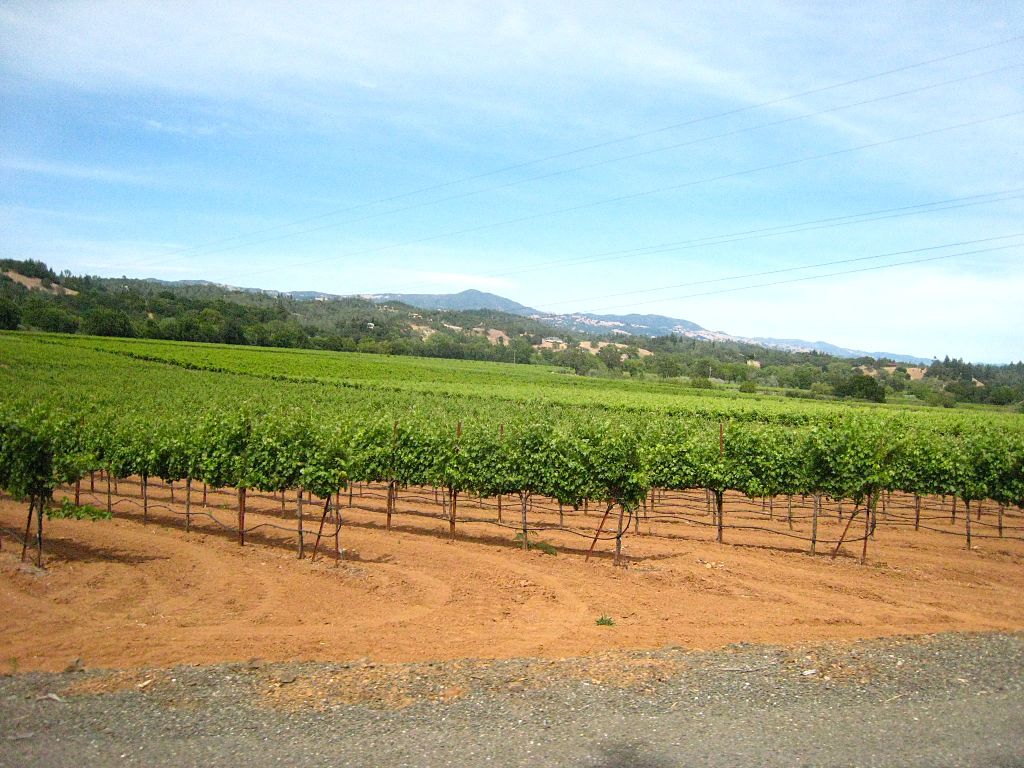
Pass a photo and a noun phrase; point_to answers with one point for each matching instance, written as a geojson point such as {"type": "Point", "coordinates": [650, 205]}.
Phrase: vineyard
{"type": "Point", "coordinates": [528, 452]}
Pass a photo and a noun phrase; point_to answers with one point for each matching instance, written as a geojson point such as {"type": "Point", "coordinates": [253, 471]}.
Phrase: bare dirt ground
{"type": "Point", "coordinates": [126, 594]}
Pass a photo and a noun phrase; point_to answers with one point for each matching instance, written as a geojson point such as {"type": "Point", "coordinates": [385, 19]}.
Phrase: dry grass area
{"type": "Point", "coordinates": [126, 594]}
{"type": "Point", "coordinates": [36, 284]}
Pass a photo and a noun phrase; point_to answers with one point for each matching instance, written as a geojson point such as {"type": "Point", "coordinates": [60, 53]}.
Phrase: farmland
{"type": "Point", "coordinates": [483, 503]}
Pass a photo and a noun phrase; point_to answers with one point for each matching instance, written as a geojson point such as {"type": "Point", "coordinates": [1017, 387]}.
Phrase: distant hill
{"type": "Point", "coordinates": [799, 345]}
{"type": "Point", "coordinates": [651, 326]}
{"type": "Point", "coordinates": [471, 299]}
{"type": "Point", "coordinates": [626, 325]}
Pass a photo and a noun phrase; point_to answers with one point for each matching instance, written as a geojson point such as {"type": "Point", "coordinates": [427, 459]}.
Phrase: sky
{"type": "Point", "coordinates": [846, 172]}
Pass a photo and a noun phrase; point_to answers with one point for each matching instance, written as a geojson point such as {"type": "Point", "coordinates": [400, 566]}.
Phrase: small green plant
{"type": "Point", "coordinates": [68, 511]}
{"type": "Point", "coordinates": [605, 621]}
{"type": "Point", "coordinates": [543, 546]}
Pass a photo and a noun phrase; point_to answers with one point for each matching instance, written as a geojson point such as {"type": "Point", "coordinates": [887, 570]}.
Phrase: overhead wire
{"type": "Point", "coordinates": [780, 270]}
{"type": "Point", "coordinates": [204, 251]}
{"type": "Point", "coordinates": [597, 145]}
{"type": "Point", "coordinates": [822, 276]}
{"type": "Point", "coordinates": [773, 231]}
{"type": "Point", "coordinates": [643, 193]}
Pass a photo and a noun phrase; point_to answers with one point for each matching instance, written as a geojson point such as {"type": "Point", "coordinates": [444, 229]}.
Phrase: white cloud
{"type": "Point", "coordinates": [71, 171]}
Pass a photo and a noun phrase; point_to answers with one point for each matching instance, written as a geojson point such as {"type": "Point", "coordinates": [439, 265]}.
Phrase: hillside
{"type": "Point", "coordinates": [486, 327]}
{"type": "Point", "coordinates": [627, 325]}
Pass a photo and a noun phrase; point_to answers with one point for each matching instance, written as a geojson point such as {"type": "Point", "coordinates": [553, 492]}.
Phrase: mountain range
{"type": "Point", "coordinates": [580, 322]}
{"type": "Point", "coordinates": [625, 325]}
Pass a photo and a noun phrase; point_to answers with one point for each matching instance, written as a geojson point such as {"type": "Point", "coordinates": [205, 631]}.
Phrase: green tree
{"type": "Point", "coordinates": [10, 315]}
{"type": "Point", "coordinates": [101, 321]}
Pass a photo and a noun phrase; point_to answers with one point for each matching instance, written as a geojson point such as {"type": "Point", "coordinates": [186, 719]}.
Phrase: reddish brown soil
{"type": "Point", "coordinates": [123, 593]}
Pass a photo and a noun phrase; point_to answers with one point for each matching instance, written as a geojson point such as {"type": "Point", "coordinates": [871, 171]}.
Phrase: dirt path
{"type": "Point", "coordinates": [122, 593]}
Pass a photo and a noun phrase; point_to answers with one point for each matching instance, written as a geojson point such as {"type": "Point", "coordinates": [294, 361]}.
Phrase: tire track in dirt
{"type": "Point", "coordinates": [122, 593]}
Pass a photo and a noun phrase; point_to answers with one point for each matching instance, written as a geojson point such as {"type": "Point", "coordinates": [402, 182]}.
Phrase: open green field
{"type": "Point", "coordinates": [92, 368]}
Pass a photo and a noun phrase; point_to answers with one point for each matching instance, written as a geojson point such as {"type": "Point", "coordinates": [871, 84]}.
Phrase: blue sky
{"type": "Point", "coordinates": [570, 156]}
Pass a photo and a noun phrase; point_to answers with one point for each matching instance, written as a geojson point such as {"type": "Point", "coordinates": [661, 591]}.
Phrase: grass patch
{"type": "Point", "coordinates": [67, 510]}
{"type": "Point", "coordinates": [543, 546]}
{"type": "Point", "coordinates": [605, 621]}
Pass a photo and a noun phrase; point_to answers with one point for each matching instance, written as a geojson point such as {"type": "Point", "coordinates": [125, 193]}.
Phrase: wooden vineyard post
{"type": "Point", "coordinates": [298, 515]}
{"type": "Point", "coordinates": [718, 514]}
{"type": "Point", "coordinates": [205, 488]}
{"type": "Point", "coordinates": [814, 523]}
{"type": "Point", "coordinates": [967, 519]}
{"type": "Point", "coordinates": [789, 514]}
{"type": "Point", "coordinates": [188, 503]}
{"type": "Point", "coordinates": [284, 499]}
{"type": "Point", "coordinates": [598, 534]}
{"type": "Point", "coordinates": [145, 499]}
{"type": "Point", "coordinates": [390, 502]}
{"type": "Point", "coordinates": [636, 520]}
{"type": "Point", "coordinates": [561, 515]}
{"type": "Point", "coordinates": [868, 510]}
{"type": "Point", "coordinates": [952, 517]}
{"type": "Point", "coordinates": [28, 526]}
{"type": "Point", "coordinates": [917, 512]}
{"type": "Point", "coordinates": [499, 507]}
{"type": "Point", "coordinates": [92, 481]}
{"type": "Point", "coordinates": [40, 508]}
{"type": "Point", "coordinates": [78, 492]}
{"type": "Point", "coordinates": [337, 533]}
{"type": "Point", "coordinates": [842, 537]}
{"type": "Point", "coordinates": [999, 524]}
{"type": "Point", "coordinates": [522, 510]}
{"type": "Point", "coordinates": [320, 530]}
{"type": "Point", "coordinates": [618, 534]}
{"type": "Point", "coordinates": [110, 506]}
{"type": "Point", "coordinates": [241, 517]}
{"type": "Point", "coordinates": [170, 485]}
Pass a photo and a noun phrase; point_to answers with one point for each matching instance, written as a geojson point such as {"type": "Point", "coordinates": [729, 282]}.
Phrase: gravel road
{"type": "Point", "coordinates": [940, 700]}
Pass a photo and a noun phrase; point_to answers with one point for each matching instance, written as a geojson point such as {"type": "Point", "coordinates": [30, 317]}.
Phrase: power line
{"type": "Point", "coordinates": [599, 163]}
{"type": "Point", "coordinates": [774, 231]}
{"type": "Point", "coordinates": [645, 193]}
{"type": "Point", "coordinates": [607, 161]}
{"type": "Point", "coordinates": [599, 145]}
{"type": "Point", "coordinates": [781, 270]}
{"type": "Point", "coordinates": [830, 274]}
